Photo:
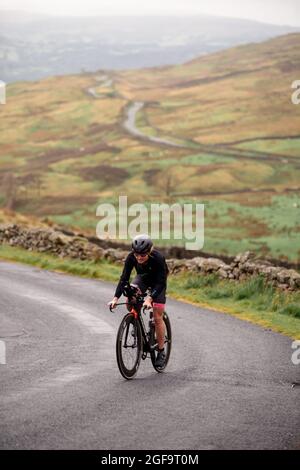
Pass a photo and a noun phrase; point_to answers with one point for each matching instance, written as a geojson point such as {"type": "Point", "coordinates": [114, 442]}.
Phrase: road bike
{"type": "Point", "coordinates": [135, 341]}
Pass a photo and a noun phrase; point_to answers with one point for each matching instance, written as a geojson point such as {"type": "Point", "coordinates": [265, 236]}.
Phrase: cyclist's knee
{"type": "Point", "coordinates": [139, 291]}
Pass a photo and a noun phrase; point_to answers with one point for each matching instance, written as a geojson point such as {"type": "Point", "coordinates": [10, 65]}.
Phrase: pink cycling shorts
{"type": "Point", "coordinates": [155, 304]}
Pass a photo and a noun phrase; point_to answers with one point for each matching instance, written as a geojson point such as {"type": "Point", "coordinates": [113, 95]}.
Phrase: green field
{"type": "Point", "coordinates": [63, 152]}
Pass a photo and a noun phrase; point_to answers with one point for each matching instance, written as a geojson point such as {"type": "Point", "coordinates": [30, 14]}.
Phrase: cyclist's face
{"type": "Point", "coordinates": [141, 258]}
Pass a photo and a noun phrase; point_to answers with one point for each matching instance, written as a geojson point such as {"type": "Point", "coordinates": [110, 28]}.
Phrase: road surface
{"type": "Point", "coordinates": [130, 125]}
{"type": "Point", "coordinates": [228, 384]}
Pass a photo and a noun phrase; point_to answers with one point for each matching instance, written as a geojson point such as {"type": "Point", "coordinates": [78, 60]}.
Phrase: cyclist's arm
{"type": "Point", "coordinates": [125, 276]}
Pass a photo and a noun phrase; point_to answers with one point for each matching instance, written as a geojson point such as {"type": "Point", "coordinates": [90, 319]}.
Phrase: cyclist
{"type": "Point", "coordinates": [151, 272]}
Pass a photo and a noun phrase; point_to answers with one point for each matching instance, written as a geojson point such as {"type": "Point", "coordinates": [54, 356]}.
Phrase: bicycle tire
{"type": "Point", "coordinates": [125, 327]}
{"type": "Point", "coordinates": [168, 344]}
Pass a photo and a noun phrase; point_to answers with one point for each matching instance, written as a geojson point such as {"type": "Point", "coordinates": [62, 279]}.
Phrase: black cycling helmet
{"type": "Point", "coordinates": [142, 244]}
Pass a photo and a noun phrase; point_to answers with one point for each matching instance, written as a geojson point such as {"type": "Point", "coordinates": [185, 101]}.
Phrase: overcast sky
{"type": "Point", "coordinates": [271, 11]}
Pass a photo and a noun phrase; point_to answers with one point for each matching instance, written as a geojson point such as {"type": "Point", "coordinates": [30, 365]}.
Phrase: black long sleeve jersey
{"type": "Point", "coordinates": [155, 271]}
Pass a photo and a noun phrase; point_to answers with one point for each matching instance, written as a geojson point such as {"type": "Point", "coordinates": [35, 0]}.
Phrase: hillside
{"type": "Point", "coordinates": [241, 94]}
{"type": "Point", "coordinates": [235, 134]}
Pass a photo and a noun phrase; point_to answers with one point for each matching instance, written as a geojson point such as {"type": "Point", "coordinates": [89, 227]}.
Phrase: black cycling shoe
{"type": "Point", "coordinates": [160, 358]}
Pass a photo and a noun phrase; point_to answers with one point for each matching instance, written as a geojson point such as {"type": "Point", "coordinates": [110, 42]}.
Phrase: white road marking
{"type": "Point", "coordinates": [93, 323]}
{"type": "Point", "coordinates": [70, 373]}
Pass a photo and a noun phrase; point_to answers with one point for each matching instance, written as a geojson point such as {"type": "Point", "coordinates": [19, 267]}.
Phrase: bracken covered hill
{"type": "Point", "coordinates": [64, 148]}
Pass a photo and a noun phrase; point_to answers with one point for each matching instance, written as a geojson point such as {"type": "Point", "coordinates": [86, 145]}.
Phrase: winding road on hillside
{"type": "Point", "coordinates": [104, 81]}
{"type": "Point", "coordinates": [223, 149]}
{"type": "Point", "coordinates": [228, 384]}
{"type": "Point", "coordinates": [130, 125]}
{"type": "Point", "coordinates": [219, 149]}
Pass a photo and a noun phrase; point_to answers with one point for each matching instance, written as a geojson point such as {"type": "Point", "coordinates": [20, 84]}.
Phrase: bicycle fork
{"type": "Point", "coordinates": [133, 334]}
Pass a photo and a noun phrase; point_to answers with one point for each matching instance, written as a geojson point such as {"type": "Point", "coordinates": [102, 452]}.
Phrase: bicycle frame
{"type": "Point", "coordinates": [136, 312]}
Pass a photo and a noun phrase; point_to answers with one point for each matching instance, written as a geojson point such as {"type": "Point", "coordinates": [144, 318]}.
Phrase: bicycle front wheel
{"type": "Point", "coordinates": [129, 346]}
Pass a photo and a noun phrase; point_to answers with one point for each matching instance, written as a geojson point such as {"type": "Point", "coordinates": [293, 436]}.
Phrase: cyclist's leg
{"type": "Point", "coordinates": [140, 284]}
{"type": "Point", "coordinates": [159, 324]}
{"type": "Point", "coordinates": [158, 311]}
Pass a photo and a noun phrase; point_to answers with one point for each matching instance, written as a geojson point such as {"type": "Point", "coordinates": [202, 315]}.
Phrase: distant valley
{"type": "Point", "coordinates": [36, 46]}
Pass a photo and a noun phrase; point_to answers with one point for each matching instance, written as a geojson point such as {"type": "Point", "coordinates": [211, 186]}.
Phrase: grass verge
{"type": "Point", "coordinates": [253, 300]}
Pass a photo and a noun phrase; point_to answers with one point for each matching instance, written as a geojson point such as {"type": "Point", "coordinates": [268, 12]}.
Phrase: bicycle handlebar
{"type": "Point", "coordinates": [132, 293]}
{"type": "Point", "coordinates": [117, 305]}
{"type": "Point", "coordinates": [126, 303]}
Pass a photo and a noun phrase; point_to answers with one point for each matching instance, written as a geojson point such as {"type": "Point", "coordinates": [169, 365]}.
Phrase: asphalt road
{"type": "Point", "coordinates": [130, 126]}
{"type": "Point", "coordinates": [228, 384]}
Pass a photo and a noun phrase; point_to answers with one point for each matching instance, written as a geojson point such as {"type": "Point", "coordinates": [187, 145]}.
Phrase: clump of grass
{"type": "Point", "coordinates": [220, 292]}
{"type": "Point", "coordinates": [255, 292]}
{"type": "Point", "coordinates": [197, 281]}
{"type": "Point", "coordinates": [250, 288]}
{"type": "Point", "coordinates": [92, 269]}
{"type": "Point", "coordinates": [291, 309]}
{"type": "Point", "coordinates": [278, 300]}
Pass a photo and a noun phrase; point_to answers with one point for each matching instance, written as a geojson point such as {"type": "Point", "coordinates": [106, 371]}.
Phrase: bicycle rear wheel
{"type": "Point", "coordinates": [167, 346]}
{"type": "Point", "coordinates": [129, 346]}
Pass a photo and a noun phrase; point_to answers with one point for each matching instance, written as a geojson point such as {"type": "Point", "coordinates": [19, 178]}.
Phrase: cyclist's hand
{"type": "Point", "coordinates": [148, 302]}
{"type": "Point", "coordinates": [112, 304]}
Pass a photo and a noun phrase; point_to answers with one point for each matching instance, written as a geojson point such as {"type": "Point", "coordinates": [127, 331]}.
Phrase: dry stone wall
{"type": "Point", "coordinates": [52, 241]}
